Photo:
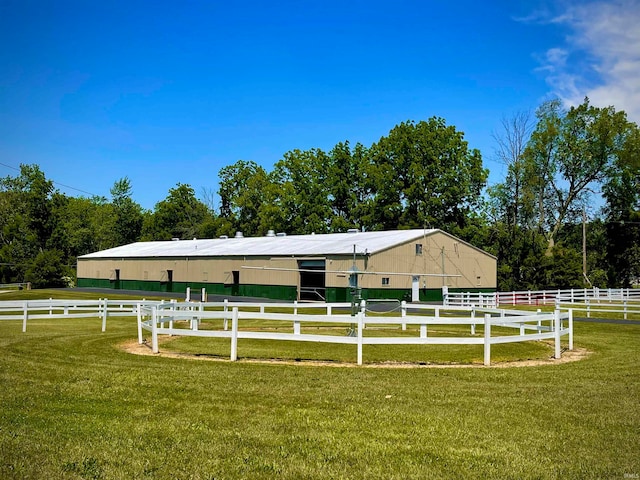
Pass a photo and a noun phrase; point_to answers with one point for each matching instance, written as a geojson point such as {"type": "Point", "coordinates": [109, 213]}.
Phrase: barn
{"type": "Point", "coordinates": [411, 265]}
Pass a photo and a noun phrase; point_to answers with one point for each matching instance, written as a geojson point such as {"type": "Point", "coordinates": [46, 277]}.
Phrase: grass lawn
{"type": "Point", "coordinates": [75, 405]}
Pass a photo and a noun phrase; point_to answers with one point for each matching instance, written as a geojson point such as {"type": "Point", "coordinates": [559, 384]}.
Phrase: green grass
{"type": "Point", "coordinates": [74, 405]}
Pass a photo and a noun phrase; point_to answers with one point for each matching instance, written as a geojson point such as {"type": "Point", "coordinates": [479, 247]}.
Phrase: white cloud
{"type": "Point", "coordinates": [601, 58]}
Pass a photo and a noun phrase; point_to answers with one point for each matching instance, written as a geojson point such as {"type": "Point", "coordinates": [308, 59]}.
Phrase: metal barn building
{"type": "Point", "coordinates": [413, 265]}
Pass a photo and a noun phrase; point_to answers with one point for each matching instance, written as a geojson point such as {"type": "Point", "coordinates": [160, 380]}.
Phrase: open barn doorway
{"type": "Point", "coordinates": [312, 280]}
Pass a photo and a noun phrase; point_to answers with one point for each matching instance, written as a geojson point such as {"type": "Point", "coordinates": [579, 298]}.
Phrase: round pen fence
{"type": "Point", "coordinates": [212, 320]}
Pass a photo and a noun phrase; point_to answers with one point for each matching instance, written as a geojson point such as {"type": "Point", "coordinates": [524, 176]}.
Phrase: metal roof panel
{"type": "Point", "coordinates": [298, 245]}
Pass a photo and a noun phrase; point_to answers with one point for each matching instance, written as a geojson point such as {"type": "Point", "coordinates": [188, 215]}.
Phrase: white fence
{"type": "Point", "coordinates": [212, 320]}
{"type": "Point", "coordinates": [26, 310]}
{"type": "Point", "coordinates": [602, 305]}
{"type": "Point", "coordinates": [625, 301]}
{"type": "Point", "coordinates": [188, 320]}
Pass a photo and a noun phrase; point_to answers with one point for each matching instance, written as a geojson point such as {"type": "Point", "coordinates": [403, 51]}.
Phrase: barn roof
{"type": "Point", "coordinates": [298, 245]}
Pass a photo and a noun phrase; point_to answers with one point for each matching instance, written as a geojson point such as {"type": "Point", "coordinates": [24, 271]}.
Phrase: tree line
{"type": "Point", "coordinates": [421, 175]}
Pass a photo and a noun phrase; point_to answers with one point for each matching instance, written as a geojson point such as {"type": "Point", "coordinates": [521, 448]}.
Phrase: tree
{"type": "Point", "coordinates": [243, 191]}
{"type": "Point", "coordinates": [180, 215]}
{"type": "Point", "coordinates": [567, 155]}
{"type": "Point", "coordinates": [424, 174]}
{"type": "Point", "coordinates": [25, 220]}
{"type": "Point", "coordinates": [299, 191]}
{"type": "Point", "coordinates": [514, 197]}
{"type": "Point", "coordinates": [128, 214]}
{"type": "Point", "coordinates": [346, 184]}
{"type": "Point", "coordinates": [48, 270]}
{"type": "Point", "coordinates": [622, 193]}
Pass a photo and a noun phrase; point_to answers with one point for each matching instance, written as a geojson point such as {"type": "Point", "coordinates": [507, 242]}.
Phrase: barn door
{"type": "Point", "coordinates": [312, 280]}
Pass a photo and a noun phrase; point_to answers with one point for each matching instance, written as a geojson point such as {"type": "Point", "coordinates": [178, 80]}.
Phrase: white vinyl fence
{"type": "Point", "coordinates": [26, 310]}
{"type": "Point", "coordinates": [248, 320]}
{"type": "Point", "coordinates": [591, 300]}
{"type": "Point", "coordinates": [515, 326]}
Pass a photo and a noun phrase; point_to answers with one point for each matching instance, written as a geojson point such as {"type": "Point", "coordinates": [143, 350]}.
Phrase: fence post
{"type": "Point", "coordinates": [296, 325]}
{"type": "Point", "coordinates": [403, 313]}
{"type": "Point", "coordinates": [226, 311]}
{"type": "Point", "coordinates": [625, 308]}
{"type": "Point", "coordinates": [487, 340]}
{"type": "Point", "coordinates": [154, 329]}
{"type": "Point", "coordinates": [423, 326]}
{"type": "Point", "coordinates": [25, 315]}
{"type": "Point", "coordinates": [473, 325]}
{"type": "Point", "coordinates": [234, 335]}
{"type": "Point", "coordinates": [556, 333]}
{"type": "Point", "coordinates": [188, 297]}
{"type": "Point", "coordinates": [140, 340]}
{"type": "Point", "coordinates": [570, 329]}
{"type": "Point", "coordinates": [538, 312]}
{"type": "Point", "coordinates": [203, 295]}
{"type": "Point", "coordinates": [360, 328]}
{"type": "Point", "coordinates": [104, 315]}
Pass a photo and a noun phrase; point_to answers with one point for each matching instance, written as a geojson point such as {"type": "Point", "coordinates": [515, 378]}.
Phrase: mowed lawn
{"type": "Point", "coordinates": [74, 404]}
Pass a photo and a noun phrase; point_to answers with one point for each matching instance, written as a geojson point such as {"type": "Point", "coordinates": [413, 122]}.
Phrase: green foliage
{"type": "Point", "coordinates": [244, 194]}
{"type": "Point", "coordinates": [47, 270]}
{"type": "Point", "coordinates": [127, 214]}
{"type": "Point", "coordinates": [424, 174]}
{"type": "Point", "coordinates": [569, 154]}
{"type": "Point", "coordinates": [300, 179]}
{"type": "Point", "coordinates": [180, 215]}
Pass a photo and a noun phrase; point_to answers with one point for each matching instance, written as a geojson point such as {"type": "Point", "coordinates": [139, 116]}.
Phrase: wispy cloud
{"type": "Point", "coordinates": [601, 55]}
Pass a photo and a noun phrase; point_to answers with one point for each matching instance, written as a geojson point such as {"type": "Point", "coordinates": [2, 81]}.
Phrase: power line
{"type": "Point", "coordinates": [54, 182]}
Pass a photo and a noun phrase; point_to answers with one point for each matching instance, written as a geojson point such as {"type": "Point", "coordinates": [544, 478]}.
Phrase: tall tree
{"type": "Point", "coordinates": [346, 182]}
{"type": "Point", "coordinates": [244, 189]}
{"type": "Point", "coordinates": [299, 183]}
{"type": "Point", "coordinates": [128, 214]}
{"type": "Point", "coordinates": [570, 153]}
{"type": "Point", "coordinates": [515, 198]}
{"type": "Point", "coordinates": [180, 215]}
{"type": "Point", "coordinates": [25, 220]}
{"type": "Point", "coordinates": [622, 211]}
{"type": "Point", "coordinates": [425, 174]}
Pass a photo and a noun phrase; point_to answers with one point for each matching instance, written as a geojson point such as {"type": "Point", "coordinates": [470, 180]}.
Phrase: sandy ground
{"type": "Point", "coordinates": [567, 356]}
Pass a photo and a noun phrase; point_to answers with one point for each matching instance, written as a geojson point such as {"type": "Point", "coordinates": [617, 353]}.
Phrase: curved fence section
{"type": "Point", "coordinates": [497, 326]}
{"type": "Point", "coordinates": [26, 310]}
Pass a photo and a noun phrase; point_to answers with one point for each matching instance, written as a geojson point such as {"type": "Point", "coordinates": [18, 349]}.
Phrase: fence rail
{"type": "Point", "coordinates": [165, 320]}
{"type": "Point", "coordinates": [619, 300]}
{"type": "Point", "coordinates": [206, 319]}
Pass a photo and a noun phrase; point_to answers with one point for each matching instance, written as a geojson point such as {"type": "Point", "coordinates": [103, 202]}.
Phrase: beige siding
{"type": "Point", "coordinates": [440, 253]}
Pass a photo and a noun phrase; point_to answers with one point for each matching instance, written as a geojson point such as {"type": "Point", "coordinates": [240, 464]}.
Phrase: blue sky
{"type": "Point", "coordinates": [171, 92]}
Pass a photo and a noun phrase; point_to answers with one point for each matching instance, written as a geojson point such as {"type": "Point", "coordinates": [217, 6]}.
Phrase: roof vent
{"type": "Point", "coordinates": [271, 233]}
{"type": "Point", "coordinates": [239, 235]}
{"type": "Point", "coordinates": [224, 237]}
{"type": "Point", "coordinates": [281, 234]}
{"type": "Point", "coordinates": [352, 230]}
